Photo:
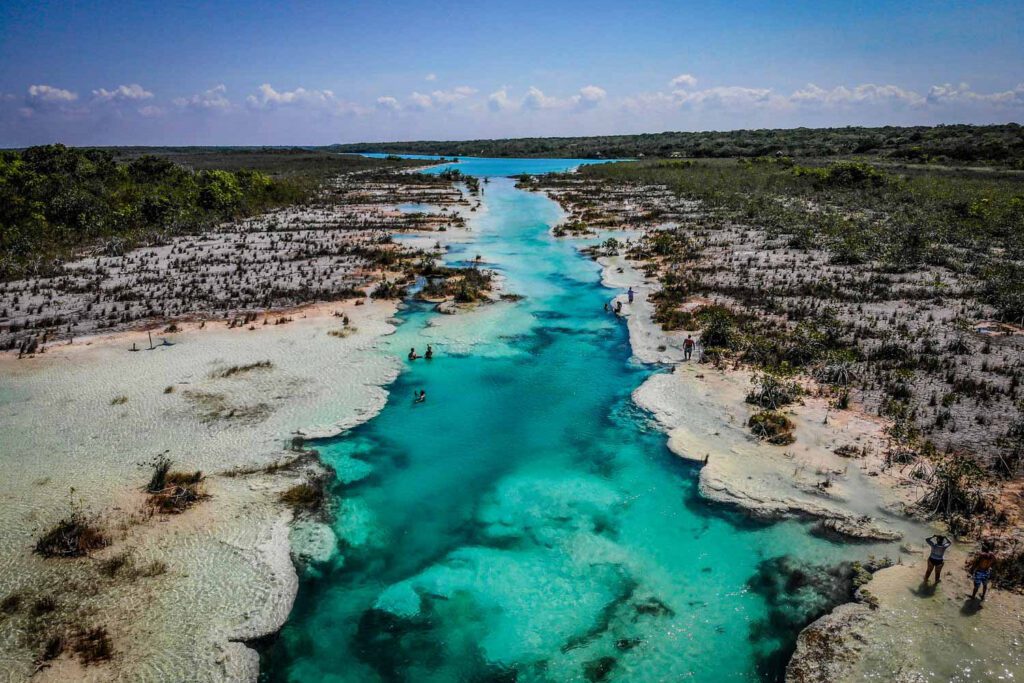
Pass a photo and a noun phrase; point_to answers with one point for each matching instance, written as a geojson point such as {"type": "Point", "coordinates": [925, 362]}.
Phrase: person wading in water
{"type": "Point", "coordinates": [980, 568]}
{"type": "Point", "coordinates": [939, 544]}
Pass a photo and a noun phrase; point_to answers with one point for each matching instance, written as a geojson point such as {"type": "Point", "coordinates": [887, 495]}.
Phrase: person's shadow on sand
{"type": "Point", "coordinates": [971, 607]}
{"type": "Point", "coordinates": [924, 590]}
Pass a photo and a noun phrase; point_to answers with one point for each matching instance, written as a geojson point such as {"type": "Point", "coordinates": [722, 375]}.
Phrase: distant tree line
{"type": "Point", "coordinates": [56, 200]}
{"type": "Point", "coordinates": [1001, 145]}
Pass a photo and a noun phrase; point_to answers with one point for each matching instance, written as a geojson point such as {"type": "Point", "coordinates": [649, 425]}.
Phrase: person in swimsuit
{"type": "Point", "coordinates": [688, 347]}
{"type": "Point", "coordinates": [412, 354]}
{"type": "Point", "coordinates": [630, 295]}
{"type": "Point", "coordinates": [420, 397]}
{"type": "Point", "coordinates": [980, 568]}
{"type": "Point", "coordinates": [939, 544]}
{"type": "Point", "coordinates": [430, 352]}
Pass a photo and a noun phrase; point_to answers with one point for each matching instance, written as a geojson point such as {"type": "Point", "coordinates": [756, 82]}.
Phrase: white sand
{"type": "Point", "coordinates": [229, 573]}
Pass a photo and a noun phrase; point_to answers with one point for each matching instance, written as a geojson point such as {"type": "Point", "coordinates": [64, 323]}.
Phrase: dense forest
{"type": "Point", "coordinates": [55, 200]}
{"type": "Point", "coordinates": [1001, 145]}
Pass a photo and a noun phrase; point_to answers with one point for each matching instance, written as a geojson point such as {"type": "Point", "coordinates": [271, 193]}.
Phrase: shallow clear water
{"type": "Point", "coordinates": [527, 522]}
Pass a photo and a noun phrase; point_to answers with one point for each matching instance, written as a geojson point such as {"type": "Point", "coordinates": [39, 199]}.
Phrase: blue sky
{"type": "Point", "coordinates": [319, 72]}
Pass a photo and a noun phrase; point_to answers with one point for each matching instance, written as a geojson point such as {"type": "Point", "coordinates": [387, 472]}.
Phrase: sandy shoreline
{"type": "Point", "coordinates": [229, 575]}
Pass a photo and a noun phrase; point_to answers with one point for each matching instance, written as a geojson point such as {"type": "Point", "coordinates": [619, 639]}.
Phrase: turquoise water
{"type": "Point", "coordinates": [527, 522]}
{"type": "Point", "coordinates": [484, 167]}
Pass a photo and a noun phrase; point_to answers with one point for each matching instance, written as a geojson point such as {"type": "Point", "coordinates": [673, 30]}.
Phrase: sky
{"type": "Point", "coordinates": [268, 72]}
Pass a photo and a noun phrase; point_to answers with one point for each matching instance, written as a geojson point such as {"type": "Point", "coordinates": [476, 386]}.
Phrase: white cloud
{"type": "Point", "coordinates": [536, 99]}
{"type": "Point", "coordinates": [499, 100]}
{"type": "Point", "coordinates": [724, 96]}
{"type": "Point", "coordinates": [959, 94]}
{"type": "Point", "coordinates": [589, 97]}
{"type": "Point", "coordinates": [420, 102]}
{"type": "Point", "coordinates": [430, 77]}
{"type": "Point", "coordinates": [388, 104]}
{"type": "Point", "coordinates": [449, 97]}
{"type": "Point", "coordinates": [47, 94]}
{"type": "Point", "coordinates": [150, 111]}
{"type": "Point", "coordinates": [866, 93]}
{"type": "Point", "coordinates": [214, 99]}
{"type": "Point", "coordinates": [266, 97]}
{"type": "Point", "coordinates": [683, 81]}
{"type": "Point", "coordinates": [122, 93]}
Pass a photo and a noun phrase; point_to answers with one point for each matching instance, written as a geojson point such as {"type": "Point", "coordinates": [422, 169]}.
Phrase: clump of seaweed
{"type": "Point", "coordinates": [309, 496]}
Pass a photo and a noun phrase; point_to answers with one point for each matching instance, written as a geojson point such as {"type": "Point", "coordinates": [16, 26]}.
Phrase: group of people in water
{"type": "Point", "coordinates": [979, 566]}
{"type": "Point", "coordinates": [421, 395]}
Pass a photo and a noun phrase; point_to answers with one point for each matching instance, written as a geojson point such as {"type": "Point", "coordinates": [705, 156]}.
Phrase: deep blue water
{"type": "Point", "coordinates": [528, 522]}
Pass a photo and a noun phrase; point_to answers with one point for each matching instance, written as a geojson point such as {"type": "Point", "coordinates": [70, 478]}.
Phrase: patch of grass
{"type": "Point", "coordinates": [773, 427]}
{"type": "Point", "coordinates": [118, 400]}
{"type": "Point", "coordinates": [93, 645]}
{"type": "Point", "coordinates": [10, 604]}
{"type": "Point", "coordinates": [43, 605]}
{"type": "Point", "coordinates": [111, 566]}
{"type": "Point", "coordinates": [150, 569]}
{"type": "Point", "coordinates": [772, 392]}
{"type": "Point", "coordinates": [73, 536]}
{"type": "Point", "coordinates": [241, 369]}
{"type": "Point", "coordinates": [213, 407]}
{"type": "Point", "coordinates": [174, 492]}
{"type": "Point", "coordinates": [955, 490]}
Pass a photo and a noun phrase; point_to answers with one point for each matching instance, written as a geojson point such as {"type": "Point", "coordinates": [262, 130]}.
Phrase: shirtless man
{"type": "Point", "coordinates": [688, 347]}
{"type": "Point", "coordinates": [980, 568]}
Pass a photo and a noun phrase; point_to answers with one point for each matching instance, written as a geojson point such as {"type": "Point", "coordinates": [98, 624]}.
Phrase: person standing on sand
{"type": "Point", "coordinates": [939, 544]}
{"type": "Point", "coordinates": [980, 568]}
{"type": "Point", "coordinates": [630, 295]}
{"type": "Point", "coordinates": [688, 347]}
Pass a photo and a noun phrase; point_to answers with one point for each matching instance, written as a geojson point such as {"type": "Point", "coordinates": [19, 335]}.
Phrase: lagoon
{"type": "Point", "coordinates": [528, 522]}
